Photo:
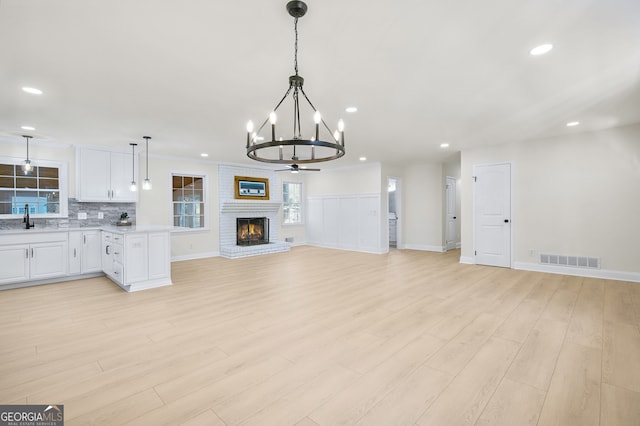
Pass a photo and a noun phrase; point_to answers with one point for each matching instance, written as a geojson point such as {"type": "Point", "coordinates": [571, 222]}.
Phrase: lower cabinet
{"type": "Point", "coordinates": [134, 259]}
{"type": "Point", "coordinates": [137, 260]}
{"type": "Point", "coordinates": [38, 257]}
{"type": "Point", "coordinates": [84, 252]}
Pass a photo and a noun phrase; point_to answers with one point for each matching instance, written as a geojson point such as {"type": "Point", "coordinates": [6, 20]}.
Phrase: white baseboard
{"type": "Point", "coordinates": [467, 260]}
{"type": "Point", "coordinates": [580, 272]}
{"type": "Point", "coordinates": [195, 256]}
{"type": "Point", "coordinates": [423, 247]}
{"type": "Point", "coordinates": [359, 250]}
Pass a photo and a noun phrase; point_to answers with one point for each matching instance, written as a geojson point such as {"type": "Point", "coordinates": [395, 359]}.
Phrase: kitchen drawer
{"type": "Point", "coordinates": [117, 251]}
{"type": "Point", "coordinates": [118, 272]}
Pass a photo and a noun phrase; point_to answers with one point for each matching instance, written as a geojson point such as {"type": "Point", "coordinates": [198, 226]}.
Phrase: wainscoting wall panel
{"type": "Point", "coordinates": [348, 222]}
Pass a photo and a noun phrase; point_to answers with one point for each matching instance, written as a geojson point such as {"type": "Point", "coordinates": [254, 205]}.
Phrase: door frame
{"type": "Point", "coordinates": [399, 242]}
{"type": "Point", "coordinates": [456, 245]}
{"type": "Point", "coordinates": [511, 209]}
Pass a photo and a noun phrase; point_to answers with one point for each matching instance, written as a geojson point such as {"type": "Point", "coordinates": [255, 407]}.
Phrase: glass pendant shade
{"type": "Point", "coordinates": [133, 187]}
{"type": "Point", "coordinates": [27, 167]}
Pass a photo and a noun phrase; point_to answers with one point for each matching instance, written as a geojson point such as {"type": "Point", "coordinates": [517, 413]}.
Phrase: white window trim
{"type": "Point", "coordinates": [301, 203]}
{"type": "Point", "coordinates": [207, 195]}
{"type": "Point", "coordinates": [63, 190]}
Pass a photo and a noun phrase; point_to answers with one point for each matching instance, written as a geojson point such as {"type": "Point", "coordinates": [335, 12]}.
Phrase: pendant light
{"type": "Point", "coordinates": [146, 185]}
{"type": "Point", "coordinates": [26, 166]}
{"type": "Point", "coordinates": [134, 186]}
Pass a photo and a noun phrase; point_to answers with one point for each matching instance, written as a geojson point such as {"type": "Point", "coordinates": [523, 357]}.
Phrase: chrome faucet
{"type": "Point", "coordinates": [26, 220]}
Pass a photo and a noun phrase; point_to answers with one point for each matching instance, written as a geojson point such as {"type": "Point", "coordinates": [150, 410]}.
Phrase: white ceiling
{"type": "Point", "coordinates": [191, 73]}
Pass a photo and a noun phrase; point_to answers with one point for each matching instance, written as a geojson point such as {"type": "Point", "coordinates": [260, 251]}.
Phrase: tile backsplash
{"type": "Point", "coordinates": [111, 213]}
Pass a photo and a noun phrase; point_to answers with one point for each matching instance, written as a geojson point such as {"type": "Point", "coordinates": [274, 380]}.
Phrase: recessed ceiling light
{"type": "Point", "coordinates": [363, 158]}
{"type": "Point", "coordinates": [573, 124]}
{"type": "Point", "coordinates": [204, 154]}
{"type": "Point", "coordinates": [444, 145]}
{"type": "Point", "coordinates": [351, 109]}
{"type": "Point", "coordinates": [31, 128]}
{"type": "Point", "coordinates": [541, 50]}
{"type": "Point", "coordinates": [32, 90]}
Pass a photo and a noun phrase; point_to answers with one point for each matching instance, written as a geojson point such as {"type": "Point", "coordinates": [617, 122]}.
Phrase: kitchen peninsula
{"type": "Point", "coordinates": [134, 257]}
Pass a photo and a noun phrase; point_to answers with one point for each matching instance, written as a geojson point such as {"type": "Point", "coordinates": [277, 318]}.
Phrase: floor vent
{"type": "Point", "coordinates": [572, 261]}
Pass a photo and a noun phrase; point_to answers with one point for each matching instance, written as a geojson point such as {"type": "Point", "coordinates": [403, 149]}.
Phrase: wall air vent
{"type": "Point", "coordinates": [572, 261]}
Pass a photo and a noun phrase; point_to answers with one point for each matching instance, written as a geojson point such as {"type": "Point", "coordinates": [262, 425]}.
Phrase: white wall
{"type": "Point", "coordinates": [573, 195]}
{"type": "Point", "coordinates": [154, 206]}
{"type": "Point", "coordinates": [422, 188]}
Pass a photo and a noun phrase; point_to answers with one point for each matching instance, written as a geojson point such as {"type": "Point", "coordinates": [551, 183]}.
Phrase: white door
{"type": "Point", "coordinates": [451, 215]}
{"type": "Point", "coordinates": [492, 214]}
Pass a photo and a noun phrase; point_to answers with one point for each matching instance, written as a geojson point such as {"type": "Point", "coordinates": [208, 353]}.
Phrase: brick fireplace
{"type": "Point", "coordinates": [233, 210]}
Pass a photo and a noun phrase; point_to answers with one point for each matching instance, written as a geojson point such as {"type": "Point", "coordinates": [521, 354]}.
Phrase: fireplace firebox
{"type": "Point", "coordinates": [252, 230]}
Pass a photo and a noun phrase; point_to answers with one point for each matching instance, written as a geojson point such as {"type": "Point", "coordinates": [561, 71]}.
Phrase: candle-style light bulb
{"type": "Point", "coordinates": [317, 118]}
{"type": "Point", "coordinates": [249, 131]}
{"type": "Point", "coordinates": [273, 118]}
{"type": "Point", "coordinates": [341, 129]}
{"type": "Point", "coordinates": [336, 135]}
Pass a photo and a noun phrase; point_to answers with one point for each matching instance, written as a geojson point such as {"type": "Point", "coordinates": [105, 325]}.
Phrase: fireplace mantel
{"type": "Point", "coordinates": [248, 206]}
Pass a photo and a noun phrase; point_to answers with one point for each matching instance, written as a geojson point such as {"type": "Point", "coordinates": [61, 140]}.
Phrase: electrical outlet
{"type": "Point", "coordinates": [82, 215]}
{"type": "Point", "coordinates": [100, 215]}
{"type": "Point", "coordinates": [532, 253]}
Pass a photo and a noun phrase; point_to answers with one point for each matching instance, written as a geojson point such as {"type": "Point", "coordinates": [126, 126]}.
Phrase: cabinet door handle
{"type": "Point", "coordinates": [107, 250]}
{"type": "Point", "coordinates": [32, 253]}
{"type": "Point", "coordinates": [74, 253]}
{"type": "Point", "coordinates": [85, 239]}
{"type": "Point", "coordinates": [26, 251]}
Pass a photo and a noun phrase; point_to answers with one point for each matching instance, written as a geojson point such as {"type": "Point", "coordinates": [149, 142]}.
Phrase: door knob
{"type": "Point", "coordinates": [455, 217]}
{"type": "Point", "coordinates": [506, 221]}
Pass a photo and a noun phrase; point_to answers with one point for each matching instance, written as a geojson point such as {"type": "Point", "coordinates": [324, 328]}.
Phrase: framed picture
{"type": "Point", "coordinates": [249, 188]}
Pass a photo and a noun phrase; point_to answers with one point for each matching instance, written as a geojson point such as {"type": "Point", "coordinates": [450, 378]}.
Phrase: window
{"type": "Point", "coordinates": [188, 201]}
{"type": "Point", "coordinates": [291, 203]}
{"type": "Point", "coordinates": [43, 189]}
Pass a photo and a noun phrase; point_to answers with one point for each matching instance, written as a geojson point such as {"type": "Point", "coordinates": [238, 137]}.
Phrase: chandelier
{"type": "Point", "coordinates": [296, 149]}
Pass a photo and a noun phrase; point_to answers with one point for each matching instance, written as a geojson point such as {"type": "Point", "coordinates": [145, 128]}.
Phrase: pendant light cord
{"type": "Point", "coordinates": [295, 57]}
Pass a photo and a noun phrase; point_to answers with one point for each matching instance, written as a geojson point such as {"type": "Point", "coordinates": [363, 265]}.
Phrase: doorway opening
{"type": "Point", "coordinates": [394, 203]}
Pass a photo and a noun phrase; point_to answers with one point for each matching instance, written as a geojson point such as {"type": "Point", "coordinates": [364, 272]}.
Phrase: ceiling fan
{"type": "Point", "coordinates": [294, 168]}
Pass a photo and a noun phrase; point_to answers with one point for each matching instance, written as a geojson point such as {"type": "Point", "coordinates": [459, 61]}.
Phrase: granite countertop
{"type": "Point", "coordinates": [110, 228]}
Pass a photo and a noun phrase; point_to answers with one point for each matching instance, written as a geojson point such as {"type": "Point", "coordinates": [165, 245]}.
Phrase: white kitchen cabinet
{"type": "Point", "coordinates": [137, 260]}
{"type": "Point", "coordinates": [159, 255]}
{"type": "Point", "coordinates": [104, 175]}
{"type": "Point", "coordinates": [33, 257]}
{"type": "Point", "coordinates": [15, 263]}
{"type": "Point", "coordinates": [48, 260]}
{"type": "Point", "coordinates": [84, 252]}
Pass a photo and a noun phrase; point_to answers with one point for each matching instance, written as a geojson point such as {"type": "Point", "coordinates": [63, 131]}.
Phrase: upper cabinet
{"type": "Point", "coordinates": [105, 175]}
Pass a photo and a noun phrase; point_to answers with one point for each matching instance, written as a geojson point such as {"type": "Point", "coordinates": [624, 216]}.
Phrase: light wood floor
{"type": "Point", "coordinates": [323, 337]}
